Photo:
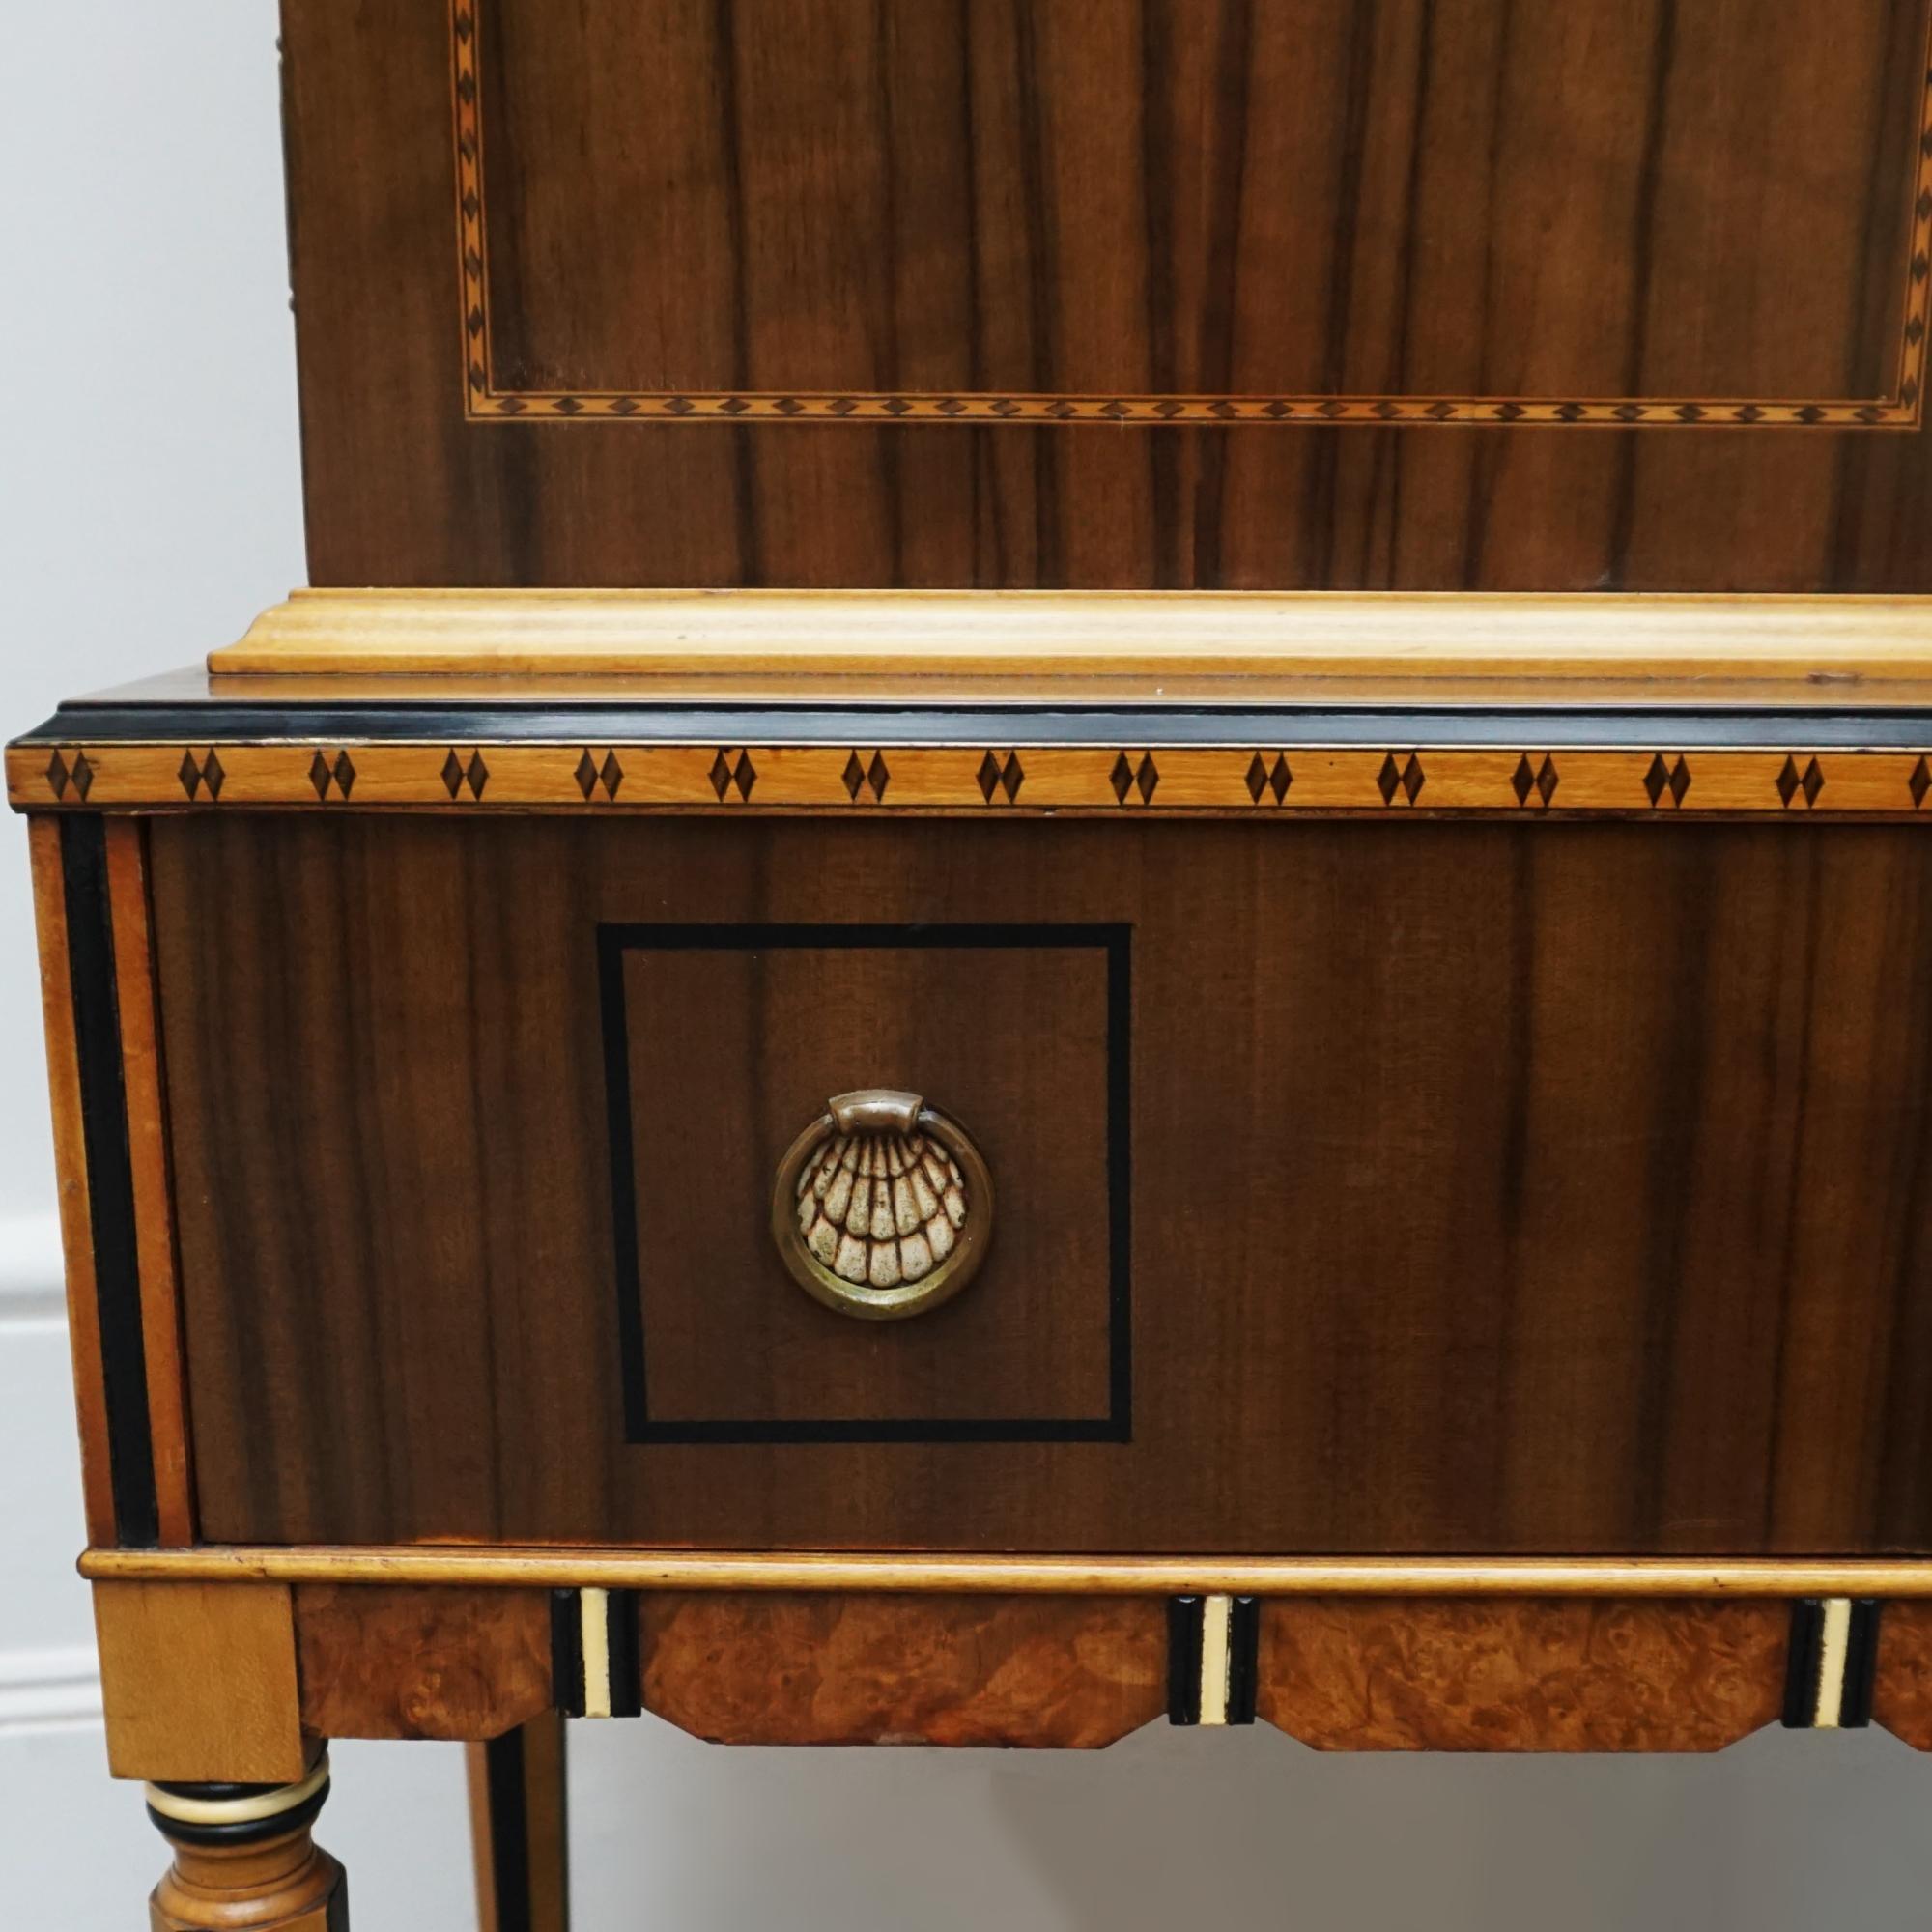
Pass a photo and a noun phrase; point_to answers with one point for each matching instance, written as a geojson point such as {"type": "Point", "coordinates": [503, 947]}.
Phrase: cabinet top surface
{"type": "Point", "coordinates": [1340, 646]}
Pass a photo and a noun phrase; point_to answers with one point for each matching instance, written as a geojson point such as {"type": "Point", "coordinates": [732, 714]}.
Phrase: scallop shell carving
{"type": "Point", "coordinates": [882, 1210]}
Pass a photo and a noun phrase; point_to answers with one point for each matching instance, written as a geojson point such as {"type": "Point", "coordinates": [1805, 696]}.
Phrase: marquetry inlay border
{"type": "Point", "coordinates": [485, 400]}
{"type": "Point", "coordinates": [1523, 780]}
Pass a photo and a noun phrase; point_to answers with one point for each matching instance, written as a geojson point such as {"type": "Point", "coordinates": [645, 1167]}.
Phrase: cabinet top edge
{"type": "Point", "coordinates": [892, 642]}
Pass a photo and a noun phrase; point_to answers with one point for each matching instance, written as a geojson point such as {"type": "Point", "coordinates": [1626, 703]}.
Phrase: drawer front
{"type": "Point", "coordinates": [1420, 1187]}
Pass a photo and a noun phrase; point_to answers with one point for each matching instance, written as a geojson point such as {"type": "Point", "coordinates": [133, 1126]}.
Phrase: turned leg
{"type": "Point", "coordinates": [244, 1859]}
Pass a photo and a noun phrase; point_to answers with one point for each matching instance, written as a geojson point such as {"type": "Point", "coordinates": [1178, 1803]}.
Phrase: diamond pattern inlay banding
{"type": "Point", "coordinates": [1267, 780]}
{"type": "Point", "coordinates": [727, 777]}
{"type": "Point", "coordinates": [193, 774]}
{"type": "Point", "coordinates": [1673, 779]}
{"type": "Point", "coordinates": [322, 773]}
{"type": "Point", "coordinates": [863, 779]}
{"type": "Point", "coordinates": [1005, 775]}
{"type": "Point", "coordinates": [1919, 782]}
{"type": "Point", "coordinates": [1405, 778]}
{"type": "Point", "coordinates": [589, 774]}
{"type": "Point", "coordinates": [1128, 777]}
{"type": "Point", "coordinates": [1791, 782]}
{"type": "Point", "coordinates": [1538, 781]}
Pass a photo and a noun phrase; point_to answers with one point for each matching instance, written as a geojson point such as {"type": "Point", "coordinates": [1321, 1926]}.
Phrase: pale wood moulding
{"type": "Point", "coordinates": [1811, 641]}
{"type": "Point", "coordinates": [1070, 1575]}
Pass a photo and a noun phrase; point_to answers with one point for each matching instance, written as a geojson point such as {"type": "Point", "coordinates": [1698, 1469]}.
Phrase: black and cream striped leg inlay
{"type": "Point", "coordinates": [593, 1653]}
{"type": "Point", "coordinates": [1828, 1683]}
{"type": "Point", "coordinates": [1213, 1647]}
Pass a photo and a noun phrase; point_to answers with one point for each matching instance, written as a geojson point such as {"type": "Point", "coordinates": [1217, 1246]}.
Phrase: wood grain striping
{"type": "Point", "coordinates": [829, 310]}
{"type": "Point", "coordinates": [83, 1312]}
{"type": "Point", "coordinates": [145, 1087]}
{"type": "Point", "coordinates": [1405, 1028]}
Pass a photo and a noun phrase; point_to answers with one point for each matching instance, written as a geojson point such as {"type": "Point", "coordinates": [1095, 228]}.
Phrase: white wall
{"type": "Point", "coordinates": [148, 507]}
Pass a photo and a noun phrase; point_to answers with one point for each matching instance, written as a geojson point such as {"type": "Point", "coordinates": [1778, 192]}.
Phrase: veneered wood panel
{"type": "Point", "coordinates": [838, 196]}
{"type": "Point", "coordinates": [1065, 1672]}
{"type": "Point", "coordinates": [199, 1681]}
{"type": "Point", "coordinates": [1539, 1191]}
{"type": "Point", "coordinates": [1234, 225]}
{"type": "Point", "coordinates": [395, 1662]}
{"type": "Point", "coordinates": [1582, 1675]}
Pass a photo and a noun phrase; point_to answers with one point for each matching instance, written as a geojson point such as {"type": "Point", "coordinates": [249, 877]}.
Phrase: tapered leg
{"type": "Point", "coordinates": [517, 1819]}
{"type": "Point", "coordinates": [244, 1860]}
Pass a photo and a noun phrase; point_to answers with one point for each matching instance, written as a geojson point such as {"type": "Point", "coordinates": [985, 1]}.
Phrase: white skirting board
{"type": "Point", "coordinates": [32, 1288]}
{"type": "Point", "coordinates": [49, 1679]}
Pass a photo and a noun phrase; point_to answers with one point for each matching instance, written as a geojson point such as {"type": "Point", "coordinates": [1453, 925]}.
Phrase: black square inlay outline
{"type": "Point", "coordinates": [616, 941]}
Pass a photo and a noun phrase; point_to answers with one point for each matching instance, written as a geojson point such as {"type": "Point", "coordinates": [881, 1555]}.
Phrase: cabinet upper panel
{"type": "Point", "coordinates": [865, 292]}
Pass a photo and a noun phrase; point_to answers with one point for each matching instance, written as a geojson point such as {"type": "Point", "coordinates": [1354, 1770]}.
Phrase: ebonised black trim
{"type": "Point", "coordinates": [110, 1180]}
{"type": "Point", "coordinates": [621, 1637]}
{"type": "Point", "coordinates": [506, 1789]}
{"type": "Point", "coordinates": [1806, 1662]}
{"type": "Point", "coordinates": [251, 1831]}
{"type": "Point", "coordinates": [615, 941]}
{"type": "Point", "coordinates": [1147, 726]}
{"type": "Point", "coordinates": [1854, 1708]}
{"type": "Point", "coordinates": [1185, 1619]}
{"type": "Point", "coordinates": [1801, 1664]}
{"type": "Point", "coordinates": [1244, 1659]}
{"type": "Point", "coordinates": [566, 1652]}
{"type": "Point", "coordinates": [615, 1009]}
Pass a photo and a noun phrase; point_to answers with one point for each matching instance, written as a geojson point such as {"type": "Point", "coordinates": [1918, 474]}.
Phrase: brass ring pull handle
{"type": "Point", "coordinates": [883, 1207]}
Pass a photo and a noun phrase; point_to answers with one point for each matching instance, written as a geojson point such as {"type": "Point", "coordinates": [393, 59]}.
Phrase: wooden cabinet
{"type": "Point", "coordinates": [1441, 1150]}
{"type": "Point", "coordinates": [813, 758]}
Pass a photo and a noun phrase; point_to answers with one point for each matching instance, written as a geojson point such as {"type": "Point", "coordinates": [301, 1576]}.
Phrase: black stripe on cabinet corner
{"type": "Point", "coordinates": [110, 1180]}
